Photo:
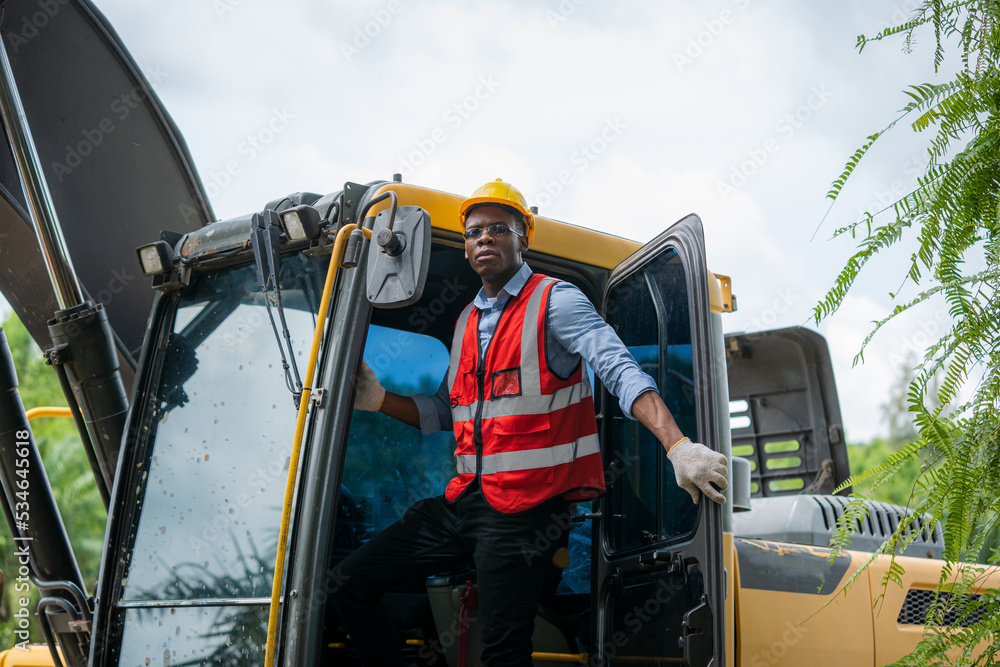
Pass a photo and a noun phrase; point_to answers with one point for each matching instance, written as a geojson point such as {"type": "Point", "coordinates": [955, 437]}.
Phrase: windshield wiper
{"type": "Point", "coordinates": [264, 235]}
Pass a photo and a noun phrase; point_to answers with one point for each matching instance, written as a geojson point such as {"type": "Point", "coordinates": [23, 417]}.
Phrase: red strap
{"type": "Point", "coordinates": [470, 602]}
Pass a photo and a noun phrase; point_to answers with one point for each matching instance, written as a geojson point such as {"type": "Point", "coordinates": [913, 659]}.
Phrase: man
{"type": "Point", "coordinates": [520, 404]}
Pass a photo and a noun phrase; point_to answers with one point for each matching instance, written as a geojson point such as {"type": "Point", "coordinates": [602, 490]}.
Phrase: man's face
{"type": "Point", "coordinates": [494, 258]}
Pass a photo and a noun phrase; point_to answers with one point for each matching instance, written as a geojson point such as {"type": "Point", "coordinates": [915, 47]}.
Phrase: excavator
{"type": "Point", "coordinates": [210, 367]}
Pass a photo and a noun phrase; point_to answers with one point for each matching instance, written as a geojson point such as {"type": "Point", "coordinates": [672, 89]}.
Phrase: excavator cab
{"type": "Point", "coordinates": [233, 361]}
{"type": "Point", "coordinates": [203, 492]}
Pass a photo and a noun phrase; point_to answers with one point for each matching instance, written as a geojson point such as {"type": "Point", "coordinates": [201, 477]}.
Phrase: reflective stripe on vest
{"type": "Point", "coordinates": [531, 458]}
{"type": "Point", "coordinates": [521, 405]}
{"type": "Point", "coordinates": [538, 431]}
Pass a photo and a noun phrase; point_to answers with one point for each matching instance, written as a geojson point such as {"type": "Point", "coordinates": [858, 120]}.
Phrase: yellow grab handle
{"type": "Point", "coordinates": [48, 411]}
{"type": "Point", "coordinates": [293, 467]}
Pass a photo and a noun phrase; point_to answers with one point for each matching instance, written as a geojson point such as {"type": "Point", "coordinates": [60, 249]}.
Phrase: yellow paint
{"type": "Point", "coordinates": [782, 549]}
{"type": "Point", "coordinates": [559, 239]}
{"type": "Point", "coordinates": [48, 411]}
{"type": "Point", "coordinates": [716, 300]}
{"type": "Point", "coordinates": [646, 660]}
{"type": "Point", "coordinates": [894, 640]}
{"type": "Point", "coordinates": [779, 628]}
{"type": "Point", "coordinates": [555, 238]}
{"type": "Point", "coordinates": [577, 658]}
{"type": "Point", "coordinates": [729, 562]}
{"type": "Point", "coordinates": [726, 288]}
{"type": "Point", "coordinates": [37, 655]}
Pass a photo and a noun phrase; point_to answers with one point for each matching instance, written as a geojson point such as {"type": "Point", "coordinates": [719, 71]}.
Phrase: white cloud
{"type": "Point", "coordinates": [688, 126]}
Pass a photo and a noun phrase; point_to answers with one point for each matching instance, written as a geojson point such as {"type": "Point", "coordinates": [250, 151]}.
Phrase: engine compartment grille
{"type": "Point", "coordinates": [881, 521]}
{"type": "Point", "coordinates": [918, 601]}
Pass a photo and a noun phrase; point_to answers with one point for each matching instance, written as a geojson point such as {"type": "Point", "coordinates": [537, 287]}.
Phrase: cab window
{"type": "Point", "coordinates": [389, 466]}
{"type": "Point", "coordinates": [646, 502]}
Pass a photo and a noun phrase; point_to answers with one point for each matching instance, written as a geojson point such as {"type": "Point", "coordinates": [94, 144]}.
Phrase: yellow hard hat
{"type": "Point", "coordinates": [502, 194]}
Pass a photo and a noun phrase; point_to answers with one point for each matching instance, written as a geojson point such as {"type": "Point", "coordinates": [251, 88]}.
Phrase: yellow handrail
{"type": "Point", "coordinates": [578, 658]}
{"type": "Point", "coordinates": [279, 565]}
{"type": "Point", "coordinates": [48, 411]}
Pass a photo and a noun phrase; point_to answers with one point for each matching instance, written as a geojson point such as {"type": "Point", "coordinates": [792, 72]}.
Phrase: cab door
{"type": "Point", "coordinates": [659, 589]}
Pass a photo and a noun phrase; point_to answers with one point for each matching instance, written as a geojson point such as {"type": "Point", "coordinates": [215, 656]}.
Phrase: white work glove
{"type": "Point", "coordinates": [370, 391]}
{"type": "Point", "coordinates": [696, 467]}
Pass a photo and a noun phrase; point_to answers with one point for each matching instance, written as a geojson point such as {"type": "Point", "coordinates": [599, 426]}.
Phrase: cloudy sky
{"type": "Point", "coordinates": [619, 116]}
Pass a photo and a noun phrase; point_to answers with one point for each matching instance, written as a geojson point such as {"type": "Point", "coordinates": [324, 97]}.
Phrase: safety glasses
{"type": "Point", "coordinates": [496, 230]}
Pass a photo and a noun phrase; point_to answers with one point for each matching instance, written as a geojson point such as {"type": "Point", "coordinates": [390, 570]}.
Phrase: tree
{"type": "Point", "coordinates": [895, 411]}
{"type": "Point", "coordinates": [900, 432]}
{"type": "Point", "coordinates": [950, 221]}
{"type": "Point", "coordinates": [69, 475]}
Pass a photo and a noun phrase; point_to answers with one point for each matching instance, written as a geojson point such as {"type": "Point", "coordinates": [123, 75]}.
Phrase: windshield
{"type": "Point", "coordinates": [219, 435]}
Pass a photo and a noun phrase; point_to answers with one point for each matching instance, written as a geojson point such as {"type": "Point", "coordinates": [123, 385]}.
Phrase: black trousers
{"type": "Point", "coordinates": [510, 553]}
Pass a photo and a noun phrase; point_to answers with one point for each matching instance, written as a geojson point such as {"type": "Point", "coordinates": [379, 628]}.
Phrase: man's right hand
{"type": "Point", "coordinates": [370, 391]}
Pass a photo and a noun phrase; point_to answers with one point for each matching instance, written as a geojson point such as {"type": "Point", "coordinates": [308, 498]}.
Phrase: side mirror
{"type": "Point", "coordinates": [741, 484]}
{"type": "Point", "coordinates": [398, 259]}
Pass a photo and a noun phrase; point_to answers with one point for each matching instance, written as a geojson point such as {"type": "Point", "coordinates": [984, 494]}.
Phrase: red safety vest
{"type": "Point", "coordinates": [537, 431]}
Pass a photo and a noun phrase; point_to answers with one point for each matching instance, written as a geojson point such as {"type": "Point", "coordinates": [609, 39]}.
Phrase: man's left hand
{"type": "Point", "coordinates": [697, 468]}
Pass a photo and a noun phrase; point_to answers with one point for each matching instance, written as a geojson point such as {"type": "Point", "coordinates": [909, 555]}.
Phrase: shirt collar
{"type": "Point", "coordinates": [512, 288]}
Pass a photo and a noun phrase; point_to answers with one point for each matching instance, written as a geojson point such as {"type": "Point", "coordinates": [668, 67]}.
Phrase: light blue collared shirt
{"type": "Point", "coordinates": [575, 330]}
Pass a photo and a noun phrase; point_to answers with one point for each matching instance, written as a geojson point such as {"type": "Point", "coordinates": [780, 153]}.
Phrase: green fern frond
{"type": "Point", "coordinates": [852, 163]}
{"type": "Point", "coordinates": [949, 226]}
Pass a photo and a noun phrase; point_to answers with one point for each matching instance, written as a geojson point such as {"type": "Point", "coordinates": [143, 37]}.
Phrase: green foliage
{"type": "Point", "coordinates": [950, 221]}
{"type": "Point", "coordinates": [896, 488]}
{"type": "Point", "coordinates": [236, 636]}
{"type": "Point", "coordinates": [69, 474]}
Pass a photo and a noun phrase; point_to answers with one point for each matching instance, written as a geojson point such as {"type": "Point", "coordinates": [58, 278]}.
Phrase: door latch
{"type": "Point", "coordinates": [674, 562]}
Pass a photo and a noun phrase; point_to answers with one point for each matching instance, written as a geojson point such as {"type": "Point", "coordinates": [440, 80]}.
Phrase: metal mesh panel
{"type": "Point", "coordinates": [918, 601]}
